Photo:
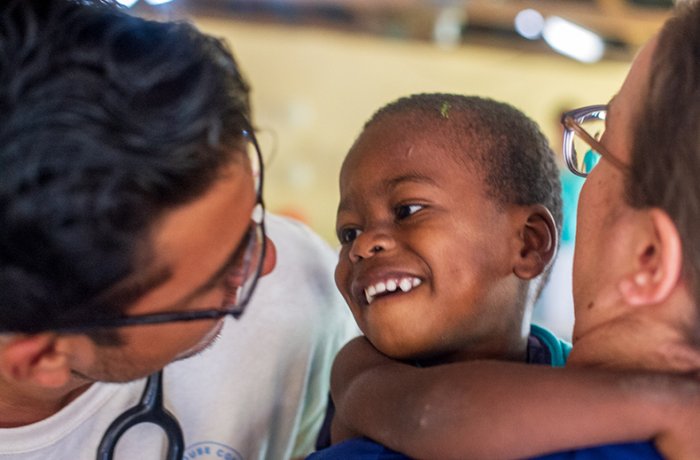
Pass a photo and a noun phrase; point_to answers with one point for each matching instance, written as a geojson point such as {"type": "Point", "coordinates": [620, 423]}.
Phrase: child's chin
{"type": "Point", "coordinates": [404, 353]}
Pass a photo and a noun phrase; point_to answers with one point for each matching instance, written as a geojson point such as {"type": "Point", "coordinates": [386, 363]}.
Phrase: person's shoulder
{"type": "Point", "coordinates": [287, 232]}
{"type": "Point", "coordinates": [303, 275]}
{"type": "Point", "coordinates": [293, 238]}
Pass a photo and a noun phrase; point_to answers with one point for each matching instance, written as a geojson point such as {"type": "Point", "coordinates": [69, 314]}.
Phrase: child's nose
{"type": "Point", "coordinates": [369, 243]}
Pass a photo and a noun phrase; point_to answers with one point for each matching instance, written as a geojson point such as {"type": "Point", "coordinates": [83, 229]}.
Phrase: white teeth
{"type": "Point", "coordinates": [370, 292]}
{"type": "Point", "coordinates": [391, 285]}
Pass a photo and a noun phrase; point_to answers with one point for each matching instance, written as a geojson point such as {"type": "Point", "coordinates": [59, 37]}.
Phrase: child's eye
{"type": "Point", "coordinates": [348, 235]}
{"type": "Point", "coordinates": [405, 210]}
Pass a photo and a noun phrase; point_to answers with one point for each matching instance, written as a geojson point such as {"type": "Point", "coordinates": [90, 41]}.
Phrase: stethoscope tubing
{"type": "Point", "coordinates": [149, 410]}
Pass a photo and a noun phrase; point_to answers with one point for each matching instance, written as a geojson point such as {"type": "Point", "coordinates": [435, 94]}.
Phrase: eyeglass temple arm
{"type": "Point", "coordinates": [571, 124]}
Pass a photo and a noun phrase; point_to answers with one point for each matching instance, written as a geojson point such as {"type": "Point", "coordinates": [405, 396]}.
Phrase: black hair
{"type": "Point", "coordinates": [516, 163]}
{"type": "Point", "coordinates": [108, 120]}
{"type": "Point", "coordinates": [515, 158]}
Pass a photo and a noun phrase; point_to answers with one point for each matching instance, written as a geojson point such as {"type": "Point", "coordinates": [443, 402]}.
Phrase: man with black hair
{"type": "Point", "coordinates": [131, 227]}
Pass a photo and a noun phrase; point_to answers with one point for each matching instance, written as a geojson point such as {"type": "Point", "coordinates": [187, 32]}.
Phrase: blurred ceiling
{"type": "Point", "coordinates": [622, 24]}
{"type": "Point", "coordinates": [627, 22]}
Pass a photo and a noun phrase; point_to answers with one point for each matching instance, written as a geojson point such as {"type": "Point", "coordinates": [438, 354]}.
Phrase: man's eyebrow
{"type": "Point", "coordinates": [129, 290]}
{"type": "Point", "coordinates": [393, 182]}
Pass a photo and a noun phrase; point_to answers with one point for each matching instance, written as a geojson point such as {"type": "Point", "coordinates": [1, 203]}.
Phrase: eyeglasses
{"type": "Point", "coordinates": [240, 278]}
{"type": "Point", "coordinates": [583, 129]}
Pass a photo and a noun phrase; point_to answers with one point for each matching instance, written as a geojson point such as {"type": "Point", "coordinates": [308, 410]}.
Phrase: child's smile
{"type": "Point", "coordinates": [377, 280]}
{"type": "Point", "coordinates": [390, 286]}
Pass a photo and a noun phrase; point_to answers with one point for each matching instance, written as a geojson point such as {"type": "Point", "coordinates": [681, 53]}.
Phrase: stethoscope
{"type": "Point", "coordinates": [148, 410]}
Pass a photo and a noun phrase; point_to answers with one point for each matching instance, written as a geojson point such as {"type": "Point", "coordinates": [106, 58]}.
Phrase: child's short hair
{"type": "Point", "coordinates": [512, 156]}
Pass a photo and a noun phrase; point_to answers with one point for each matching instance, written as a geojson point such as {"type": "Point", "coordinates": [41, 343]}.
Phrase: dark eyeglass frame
{"type": "Point", "coordinates": [572, 127]}
{"type": "Point", "coordinates": [254, 236]}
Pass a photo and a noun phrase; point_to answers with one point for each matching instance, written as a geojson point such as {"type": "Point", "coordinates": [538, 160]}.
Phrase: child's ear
{"type": "Point", "coordinates": [538, 243]}
{"type": "Point", "coordinates": [658, 261]}
{"type": "Point", "coordinates": [34, 360]}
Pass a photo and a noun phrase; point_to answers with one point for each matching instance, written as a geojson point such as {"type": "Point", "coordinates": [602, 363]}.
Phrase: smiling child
{"type": "Point", "coordinates": [446, 225]}
{"type": "Point", "coordinates": [448, 220]}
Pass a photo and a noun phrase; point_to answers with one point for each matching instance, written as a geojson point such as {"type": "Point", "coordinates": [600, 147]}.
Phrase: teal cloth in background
{"type": "Point", "coordinates": [570, 189]}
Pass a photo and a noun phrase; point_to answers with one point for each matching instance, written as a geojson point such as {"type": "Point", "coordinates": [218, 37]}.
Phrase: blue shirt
{"type": "Point", "coordinates": [637, 450]}
{"type": "Point", "coordinates": [365, 449]}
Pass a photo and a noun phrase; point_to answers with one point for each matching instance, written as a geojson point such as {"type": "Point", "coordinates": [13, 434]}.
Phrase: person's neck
{"type": "Point", "coordinates": [26, 404]}
{"type": "Point", "coordinates": [514, 350]}
{"type": "Point", "coordinates": [508, 341]}
{"type": "Point", "coordinates": [660, 338]}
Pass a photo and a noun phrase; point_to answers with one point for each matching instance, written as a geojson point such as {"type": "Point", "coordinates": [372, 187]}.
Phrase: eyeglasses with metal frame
{"type": "Point", "coordinates": [586, 124]}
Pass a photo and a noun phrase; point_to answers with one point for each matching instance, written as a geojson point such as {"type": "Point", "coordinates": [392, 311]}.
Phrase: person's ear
{"type": "Point", "coordinates": [658, 262]}
{"type": "Point", "coordinates": [34, 359]}
{"type": "Point", "coordinates": [270, 257]}
{"type": "Point", "coordinates": [538, 243]}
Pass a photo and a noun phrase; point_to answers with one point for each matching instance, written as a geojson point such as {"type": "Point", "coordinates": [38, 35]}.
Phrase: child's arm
{"type": "Point", "coordinates": [497, 409]}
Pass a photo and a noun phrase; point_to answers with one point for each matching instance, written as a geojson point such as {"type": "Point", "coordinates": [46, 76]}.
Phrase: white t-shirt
{"type": "Point", "coordinates": [259, 392]}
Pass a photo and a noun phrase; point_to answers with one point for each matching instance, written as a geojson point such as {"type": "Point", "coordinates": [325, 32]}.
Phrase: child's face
{"type": "Point", "coordinates": [414, 221]}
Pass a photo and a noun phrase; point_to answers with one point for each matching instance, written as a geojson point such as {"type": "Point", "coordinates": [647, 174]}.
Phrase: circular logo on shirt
{"type": "Point", "coordinates": [211, 450]}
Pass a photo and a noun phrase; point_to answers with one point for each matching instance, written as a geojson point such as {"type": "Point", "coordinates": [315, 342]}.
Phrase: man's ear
{"type": "Point", "coordinates": [538, 243]}
{"type": "Point", "coordinates": [34, 359]}
{"type": "Point", "coordinates": [658, 262]}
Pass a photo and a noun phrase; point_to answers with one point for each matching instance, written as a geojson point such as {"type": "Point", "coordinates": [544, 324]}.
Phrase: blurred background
{"type": "Point", "coordinates": [319, 69]}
